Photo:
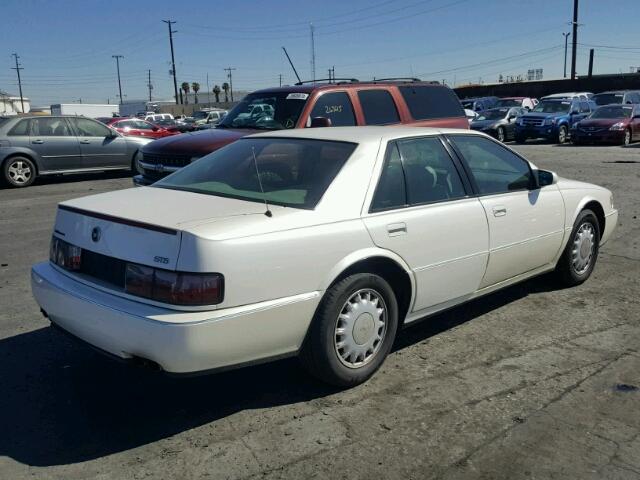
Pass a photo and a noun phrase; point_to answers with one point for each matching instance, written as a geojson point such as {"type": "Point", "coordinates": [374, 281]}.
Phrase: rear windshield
{"type": "Point", "coordinates": [508, 103]}
{"type": "Point", "coordinates": [292, 172]}
{"type": "Point", "coordinates": [268, 111]}
{"type": "Point", "coordinates": [607, 98]}
{"type": "Point", "coordinates": [427, 102]}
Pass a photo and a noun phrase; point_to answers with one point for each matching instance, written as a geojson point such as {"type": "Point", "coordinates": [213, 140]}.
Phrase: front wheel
{"type": "Point", "coordinates": [501, 135]}
{"type": "Point", "coordinates": [352, 331]}
{"type": "Point", "coordinates": [580, 254]}
{"type": "Point", "coordinates": [563, 134]}
{"type": "Point", "coordinates": [627, 137]}
{"type": "Point", "coordinates": [19, 172]}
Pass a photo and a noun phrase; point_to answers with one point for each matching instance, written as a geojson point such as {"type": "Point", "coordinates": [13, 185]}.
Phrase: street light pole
{"type": "Point", "coordinates": [566, 43]}
{"type": "Point", "coordinates": [574, 40]}
{"type": "Point", "coordinates": [173, 59]}
{"type": "Point", "coordinates": [118, 57]}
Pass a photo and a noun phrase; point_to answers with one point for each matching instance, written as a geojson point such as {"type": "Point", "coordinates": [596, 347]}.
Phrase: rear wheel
{"type": "Point", "coordinates": [580, 254]}
{"type": "Point", "coordinates": [501, 135]}
{"type": "Point", "coordinates": [627, 137]}
{"type": "Point", "coordinates": [563, 134]}
{"type": "Point", "coordinates": [352, 331]}
{"type": "Point", "coordinates": [19, 171]}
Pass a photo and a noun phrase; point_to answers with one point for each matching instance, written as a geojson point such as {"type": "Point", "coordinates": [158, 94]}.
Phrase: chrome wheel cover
{"type": "Point", "coordinates": [562, 135]}
{"type": "Point", "coordinates": [19, 172]}
{"type": "Point", "coordinates": [627, 137]}
{"type": "Point", "coordinates": [360, 328]}
{"type": "Point", "coordinates": [501, 134]}
{"type": "Point", "coordinates": [584, 246]}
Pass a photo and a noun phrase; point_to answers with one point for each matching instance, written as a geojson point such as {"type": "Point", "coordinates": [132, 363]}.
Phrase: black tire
{"type": "Point", "coordinates": [501, 135]}
{"type": "Point", "coordinates": [19, 171]}
{"type": "Point", "coordinates": [563, 134]}
{"type": "Point", "coordinates": [320, 352]}
{"type": "Point", "coordinates": [627, 137]}
{"type": "Point", "coordinates": [567, 270]}
{"type": "Point", "coordinates": [520, 139]}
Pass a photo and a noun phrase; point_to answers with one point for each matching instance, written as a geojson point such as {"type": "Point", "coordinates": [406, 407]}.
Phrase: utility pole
{"type": "Point", "coordinates": [566, 42]}
{"type": "Point", "coordinates": [118, 57]}
{"type": "Point", "coordinates": [173, 59]}
{"type": "Point", "coordinates": [591, 62]}
{"type": "Point", "coordinates": [149, 86]}
{"type": "Point", "coordinates": [208, 91]}
{"type": "Point", "coordinates": [280, 77]}
{"type": "Point", "coordinates": [574, 40]}
{"type": "Point", "coordinates": [229, 69]}
{"type": "Point", "coordinates": [17, 68]}
{"type": "Point", "coordinates": [313, 53]}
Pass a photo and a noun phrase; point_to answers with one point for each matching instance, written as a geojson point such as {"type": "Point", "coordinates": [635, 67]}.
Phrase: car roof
{"type": "Point", "coordinates": [358, 134]}
{"type": "Point", "coordinates": [312, 87]}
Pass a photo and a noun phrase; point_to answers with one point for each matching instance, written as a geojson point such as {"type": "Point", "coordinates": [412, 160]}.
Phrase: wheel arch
{"type": "Point", "coordinates": [26, 154]}
{"type": "Point", "coordinates": [596, 208]}
{"type": "Point", "coordinates": [388, 265]}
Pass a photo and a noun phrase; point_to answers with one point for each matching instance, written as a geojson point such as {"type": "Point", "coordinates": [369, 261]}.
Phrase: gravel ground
{"type": "Point", "coordinates": [531, 382]}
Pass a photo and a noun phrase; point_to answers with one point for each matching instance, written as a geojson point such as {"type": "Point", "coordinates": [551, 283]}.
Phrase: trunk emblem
{"type": "Point", "coordinates": [96, 233]}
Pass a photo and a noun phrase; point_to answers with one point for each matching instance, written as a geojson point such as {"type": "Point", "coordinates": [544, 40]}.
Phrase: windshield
{"type": "Point", "coordinates": [508, 103]}
{"type": "Point", "coordinates": [272, 111]}
{"type": "Point", "coordinates": [293, 172]}
{"type": "Point", "coordinates": [612, 112]}
{"type": "Point", "coordinates": [200, 115]}
{"type": "Point", "coordinates": [607, 98]}
{"type": "Point", "coordinates": [493, 114]}
{"type": "Point", "coordinates": [553, 107]}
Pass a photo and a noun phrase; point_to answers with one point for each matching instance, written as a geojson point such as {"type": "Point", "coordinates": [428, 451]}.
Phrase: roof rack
{"type": "Point", "coordinates": [395, 79]}
{"type": "Point", "coordinates": [330, 80]}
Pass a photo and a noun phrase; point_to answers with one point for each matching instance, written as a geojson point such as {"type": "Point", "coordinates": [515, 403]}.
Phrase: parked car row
{"type": "Point", "coordinates": [582, 117]}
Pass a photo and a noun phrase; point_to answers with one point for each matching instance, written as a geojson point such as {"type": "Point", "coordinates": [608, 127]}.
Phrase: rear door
{"type": "Point", "coordinates": [55, 142]}
{"type": "Point", "coordinates": [526, 223]}
{"type": "Point", "coordinates": [422, 211]}
{"type": "Point", "coordinates": [99, 149]}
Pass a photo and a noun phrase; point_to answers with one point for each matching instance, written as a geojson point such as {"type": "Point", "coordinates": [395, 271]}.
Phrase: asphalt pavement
{"type": "Point", "coordinates": [531, 382]}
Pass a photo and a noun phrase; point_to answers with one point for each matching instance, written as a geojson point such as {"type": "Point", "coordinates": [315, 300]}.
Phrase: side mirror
{"type": "Point", "coordinates": [319, 122]}
{"type": "Point", "coordinates": [574, 112]}
{"type": "Point", "coordinates": [546, 177]}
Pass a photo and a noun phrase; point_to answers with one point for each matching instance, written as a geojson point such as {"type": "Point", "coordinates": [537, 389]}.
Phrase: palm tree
{"type": "Point", "coordinates": [185, 88]}
{"type": "Point", "coordinates": [225, 87]}
{"type": "Point", "coordinates": [196, 88]}
{"type": "Point", "coordinates": [216, 92]}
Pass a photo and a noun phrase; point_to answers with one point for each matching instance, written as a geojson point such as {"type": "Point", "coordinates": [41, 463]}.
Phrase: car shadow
{"type": "Point", "coordinates": [64, 403]}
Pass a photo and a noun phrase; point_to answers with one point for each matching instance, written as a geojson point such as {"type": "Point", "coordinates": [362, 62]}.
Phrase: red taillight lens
{"type": "Point", "coordinates": [176, 288]}
{"type": "Point", "coordinates": [64, 254]}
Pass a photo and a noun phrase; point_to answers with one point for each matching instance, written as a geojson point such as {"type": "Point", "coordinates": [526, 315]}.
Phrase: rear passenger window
{"type": "Point", "coordinates": [430, 173]}
{"type": "Point", "coordinates": [336, 107]}
{"type": "Point", "coordinates": [20, 128]}
{"type": "Point", "coordinates": [584, 107]}
{"type": "Point", "coordinates": [390, 192]}
{"type": "Point", "coordinates": [427, 102]}
{"type": "Point", "coordinates": [494, 168]}
{"type": "Point", "coordinates": [378, 107]}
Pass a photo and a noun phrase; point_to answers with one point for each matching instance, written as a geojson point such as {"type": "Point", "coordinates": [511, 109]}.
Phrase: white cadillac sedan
{"type": "Point", "coordinates": [316, 242]}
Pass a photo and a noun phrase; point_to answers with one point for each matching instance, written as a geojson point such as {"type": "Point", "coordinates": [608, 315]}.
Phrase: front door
{"type": "Point", "coordinates": [98, 147]}
{"type": "Point", "coordinates": [56, 144]}
{"type": "Point", "coordinates": [526, 223]}
{"type": "Point", "coordinates": [422, 211]}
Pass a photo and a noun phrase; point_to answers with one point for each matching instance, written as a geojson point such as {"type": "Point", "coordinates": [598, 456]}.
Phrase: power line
{"type": "Point", "coordinates": [173, 59]}
{"type": "Point", "coordinates": [17, 68]}
{"type": "Point", "coordinates": [118, 57]}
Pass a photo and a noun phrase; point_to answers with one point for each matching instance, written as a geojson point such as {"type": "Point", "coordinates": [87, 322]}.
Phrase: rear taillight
{"type": "Point", "coordinates": [64, 254]}
{"type": "Point", "coordinates": [176, 288]}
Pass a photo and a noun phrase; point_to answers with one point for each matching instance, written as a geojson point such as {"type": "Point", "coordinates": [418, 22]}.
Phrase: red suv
{"type": "Point", "coordinates": [338, 104]}
{"type": "Point", "coordinates": [140, 128]}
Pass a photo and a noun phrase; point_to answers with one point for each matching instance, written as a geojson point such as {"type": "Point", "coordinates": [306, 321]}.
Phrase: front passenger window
{"type": "Point", "coordinates": [495, 169]}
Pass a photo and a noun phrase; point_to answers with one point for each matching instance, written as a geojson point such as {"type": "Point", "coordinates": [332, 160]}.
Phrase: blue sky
{"type": "Point", "coordinates": [65, 46]}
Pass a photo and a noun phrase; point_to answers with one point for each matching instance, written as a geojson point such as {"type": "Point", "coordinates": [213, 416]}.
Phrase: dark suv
{"type": "Point", "coordinates": [617, 96]}
{"type": "Point", "coordinates": [339, 104]}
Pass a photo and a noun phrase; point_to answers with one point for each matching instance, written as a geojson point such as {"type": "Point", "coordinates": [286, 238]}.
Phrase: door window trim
{"type": "Point", "coordinates": [476, 191]}
{"type": "Point", "coordinates": [466, 184]}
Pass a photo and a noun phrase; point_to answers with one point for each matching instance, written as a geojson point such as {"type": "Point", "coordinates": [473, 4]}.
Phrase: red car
{"type": "Point", "coordinates": [609, 124]}
{"type": "Point", "coordinates": [141, 128]}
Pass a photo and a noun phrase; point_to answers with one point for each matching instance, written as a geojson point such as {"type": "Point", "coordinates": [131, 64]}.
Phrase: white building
{"type": "Point", "coordinates": [11, 105]}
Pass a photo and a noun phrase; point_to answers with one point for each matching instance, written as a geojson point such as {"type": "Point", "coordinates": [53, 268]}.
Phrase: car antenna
{"type": "Point", "coordinates": [264, 196]}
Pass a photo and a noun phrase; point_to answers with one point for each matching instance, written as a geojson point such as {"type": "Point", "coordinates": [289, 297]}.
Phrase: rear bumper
{"type": "Point", "coordinates": [180, 342]}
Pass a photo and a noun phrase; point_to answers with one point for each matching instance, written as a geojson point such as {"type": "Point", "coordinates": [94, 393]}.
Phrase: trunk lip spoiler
{"type": "Point", "coordinates": [123, 221]}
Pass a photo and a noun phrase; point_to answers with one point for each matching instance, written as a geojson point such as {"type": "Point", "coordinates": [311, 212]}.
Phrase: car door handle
{"type": "Point", "coordinates": [85, 142]}
{"type": "Point", "coordinates": [38, 142]}
{"type": "Point", "coordinates": [499, 211]}
{"type": "Point", "coordinates": [395, 229]}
